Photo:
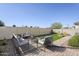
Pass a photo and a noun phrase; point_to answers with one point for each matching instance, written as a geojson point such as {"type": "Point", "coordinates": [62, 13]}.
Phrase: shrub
{"type": "Point", "coordinates": [56, 37]}
{"type": "Point", "coordinates": [74, 41]}
{"type": "Point", "coordinates": [64, 34]}
{"type": "Point", "coordinates": [14, 25]}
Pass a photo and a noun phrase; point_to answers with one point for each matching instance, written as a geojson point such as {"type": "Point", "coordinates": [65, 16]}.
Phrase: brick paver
{"type": "Point", "coordinates": [56, 51]}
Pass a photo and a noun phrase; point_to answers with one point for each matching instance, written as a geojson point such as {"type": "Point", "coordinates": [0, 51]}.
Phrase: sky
{"type": "Point", "coordinates": [42, 15]}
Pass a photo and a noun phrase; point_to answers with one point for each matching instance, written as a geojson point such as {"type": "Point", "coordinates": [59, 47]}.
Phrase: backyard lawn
{"type": "Point", "coordinates": [74, 41]}
{"type": "Point", "coordinates": [56, 37]}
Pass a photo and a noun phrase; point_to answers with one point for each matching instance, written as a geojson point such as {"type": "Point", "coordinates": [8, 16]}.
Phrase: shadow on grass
{"type": "Point", "coordinates": [55, 48]}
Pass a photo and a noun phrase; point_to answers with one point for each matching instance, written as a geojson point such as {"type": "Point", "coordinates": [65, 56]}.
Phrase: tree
{"type": "Point", "coordinates": [76, 23]}
{"type": "Point", "coordinates": [56, 25]}
{"type": "Point", "coordinates": [31, 26]}
{"type": "Point", "coordinates": [26, 26]}
{"type": "Point", "coordinates": [2, 23]}
{"type": "Point", "coordinates": [14, 25]}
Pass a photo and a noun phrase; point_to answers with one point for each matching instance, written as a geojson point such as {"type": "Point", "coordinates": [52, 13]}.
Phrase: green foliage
{"type": "Point", "coordinates": [31, 26]}
{"type": "Point", "coordinates": [74, 41]}
{"type": "Point", "coordinates": [2, 23]}
{"type": "Point", "coordinates": [64, 34]}
{"type": "Point", "coordinates": [14, 25]}
{"type": "Point", "coordinates": [56, 37]}
{"type": "Point", "coordinates": [56, 25]}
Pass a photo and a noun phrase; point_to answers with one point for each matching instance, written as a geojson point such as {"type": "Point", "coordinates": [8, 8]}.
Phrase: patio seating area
{"type": "Point", "coordinates": [24, 45]}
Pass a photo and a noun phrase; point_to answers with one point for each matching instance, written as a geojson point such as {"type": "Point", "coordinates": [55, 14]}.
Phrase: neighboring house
{"type": "Point", "coordinates": [76, 26]}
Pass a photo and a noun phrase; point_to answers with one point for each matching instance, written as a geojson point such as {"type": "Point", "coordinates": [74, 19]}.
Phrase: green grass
{"type": "Point", "coordinates": [74, 41]}
{"type": "Point", "coordinates": [56, 37]}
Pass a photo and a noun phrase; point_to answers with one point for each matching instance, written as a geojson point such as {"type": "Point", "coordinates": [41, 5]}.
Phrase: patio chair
{"type": "Point", "coordinates": [20, 44]}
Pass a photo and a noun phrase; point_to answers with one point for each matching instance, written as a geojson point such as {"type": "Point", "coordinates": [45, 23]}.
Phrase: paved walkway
{"type": "Point", "coordinates": [62, 42]}
{"type": "Point", "coordinates": [55, 51]}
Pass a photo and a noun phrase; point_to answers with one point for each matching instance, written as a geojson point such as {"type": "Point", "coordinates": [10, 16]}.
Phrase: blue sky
{"type": "Point", "coordinates": [42, 15]}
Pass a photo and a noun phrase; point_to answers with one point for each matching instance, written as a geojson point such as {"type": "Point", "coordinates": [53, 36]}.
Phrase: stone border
{"type": "Point", "coordinates": [68, 47]}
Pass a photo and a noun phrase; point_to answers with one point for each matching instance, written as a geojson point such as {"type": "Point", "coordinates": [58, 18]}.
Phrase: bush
{"type": "Point", "coordinates": [74, 41]}
{"type": "Point", "coordinates": [14, 25]}
{"type": "Point", "coordinates": [56, 37]}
